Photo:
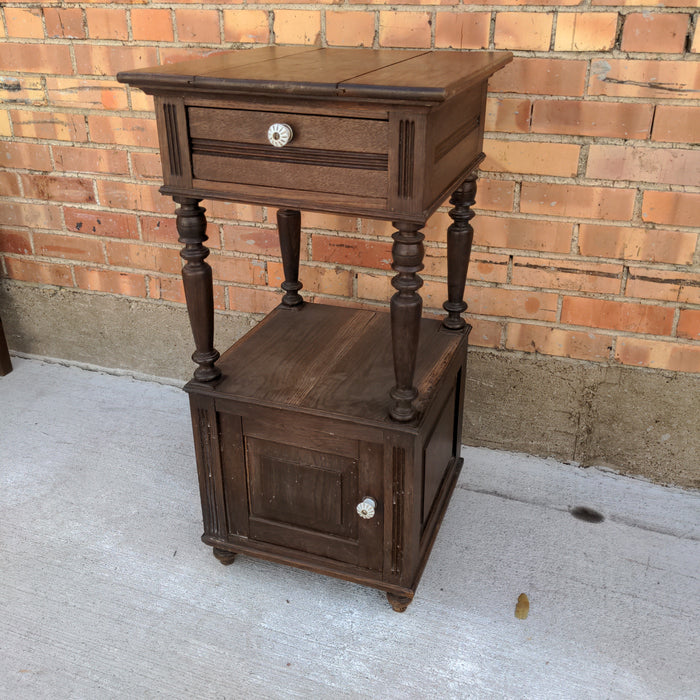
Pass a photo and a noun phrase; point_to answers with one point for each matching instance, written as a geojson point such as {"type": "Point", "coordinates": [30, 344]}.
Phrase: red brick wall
{"type": "Point", "coordinates": [586, 239]}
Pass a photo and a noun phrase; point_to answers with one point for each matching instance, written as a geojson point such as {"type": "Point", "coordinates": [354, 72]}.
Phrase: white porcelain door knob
{"type": "Point", "coordinates": [366, 508]}
{"type": "Point", "coordinates": [280, 135]}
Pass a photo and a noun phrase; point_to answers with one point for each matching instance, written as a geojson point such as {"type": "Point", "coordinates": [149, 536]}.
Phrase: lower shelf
{"type": "Point", "coordinates": [283, 465]}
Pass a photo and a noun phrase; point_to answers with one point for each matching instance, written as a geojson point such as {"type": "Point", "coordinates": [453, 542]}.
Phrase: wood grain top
{"type": "Point", "coordinates": [396, 74]}
{"type": "Point", "coordinates": [331, 360]}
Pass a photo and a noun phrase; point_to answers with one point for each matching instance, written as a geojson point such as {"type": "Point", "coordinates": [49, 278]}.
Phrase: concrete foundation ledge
{"type": "Point", "coordinates": [636, 421]}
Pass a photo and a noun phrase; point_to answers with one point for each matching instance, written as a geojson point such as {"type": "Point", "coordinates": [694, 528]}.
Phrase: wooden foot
{"type": "Point", "coordinates": [459, 245]}
{"type": "Point", "coordinates": [289, 228]}
{"type": "Point", "coordinates": [197, 280]}
{"type": "Point", "coordinates": [224, 556]}
{"type": "Point", "coordinates": [398, 602]}
{"type": "Point", "coordinates": [406, 307]}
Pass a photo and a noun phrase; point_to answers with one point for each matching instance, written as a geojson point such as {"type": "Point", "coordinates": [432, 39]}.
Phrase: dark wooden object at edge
{"type": "Point", "coordinates": [328, 438]}
{"type": "Point", "coordinates": [5, 361]}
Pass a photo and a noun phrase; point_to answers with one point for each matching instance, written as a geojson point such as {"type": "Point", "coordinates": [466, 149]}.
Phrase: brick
{"type": "Point", "coordinates": [614, 204]}
{"type": "Point", "coordinates": [541, 76]}
{"type": "Point", "coordinates": [483, 267]}
{"type": "Point", "coordinates": [49, 125]}
{"type": "Point", "coordinates": [64, 23]}
{"type": "Point", "coordinates": [243, 270]}
{"type": "Point", "coordinates": [53, 245]}
{"type": "Point", "coordinates": [24, 23]}
{"type": "Point", "coordinates": [673, 208]}
{"type": "Point", "coordinates": [252, 300]}
{"type": "Point", "coordinates": [27, 90]}
{"type": "Point", "coordinates": [30, 214]}
{"type": "Point", "coordinates": [90, 160]}
{"type": "Point", "coordinates": [404, 29]}
{"type": "Point", "coordinates": [144, 257]}
{"type": "Point", "coordinates": [509, 303]}
{"type": "Point", "coordinates": [650, 3]}
{"type": "Point", "coordinates": [617, 315]}
{"type": "Point", "coordinates": [526, 31]}
{"type": "Point", "coordinates": [677, 124]}
{"type": "Point", "coordinates": [349, 28]}
{"type": "Point", "coordinates": [672, 166]}
{"type": "Point", "coordinates": [15, 241]}
{"type": "Point", "coordinates": [198, 26]}
{"type": "Point", "coordinates": [581, 345]}
{"type": "Point", "coordinates": [44, 273]}
{"type": "Point", "coordinates": [140, 101]}
{"type": "Point", "coordinates": [628, 243]}
{"type": "Point", "coordinates": [109, 60]}
{"type": "Point", "coordinates": [494, 195]}
{"type": "Point", "coordinates": [246, 26]}
{"type": "Point", "coordinates": [111, 281]}
{"type": "Point", "coordinates": [522, 234]}
{"type": "Point", "coordinates": [585, 31]}
{"type": "Point", "coordinates": [174, 55]}
{"type": "Point", "coordinates": [5, 123]}
{"type": "Point", "coordinates": [462, 30]}
{"type": "Point", "coordinates": [25, 155]}
{"type": "Point", "coordinates": [329, 222]}
{"type": "Point", "coordinates": [351, 251]}
{"type": "Point", "coordinates": [524, 3]}
{"type": "Point", "coordinates": [101, 223]}
{"type": "Point", "coordinates": [80, 93]}
{"type": "Point", "coordinates": [662, 33]}
{"type": "Point", "coordinates": [689, 324]}
{"type": "Point", "coordinates": [510, 115]}
{"type": "Point", "coordinates": [297, 26]}
{"type": "Point", "coordinates": [559, 159]}
{"type": "Point", "coordinates": [136, 196]}
{"type": "Point", "coordinates": [58, 189]}
{"type": "Point", "coordinates": [484, 334]}
{"type": "Point", "coordinates": [36, 58]}
{"type": "Point", "coordinates": [234, 210]}
{"type": "Point", "coordinates": [640, 352]}
{"type": "Point", "coordinates": [600, 278]}
{"type": "Point", "coordinates": [125, 131]}
{"type": "Point", "coordinates": [147, 165]}
{"type": "Point", "coordinates": [321, 280]}
{"type": "Point", "coordinates": [664, 285]}
{"type": "Point", "coordinates": [170, 289]}
{"type": "Point", "coordinates": [627, 120]}
{"type": "Point", "coordinates": [151, 25]}
{"type": "Point", "coordinates": [251, 239]}
{"type": "Point", "coordinates": [9, 184]}
{"type": "Point", "coordinates": [644, 78]}
{"type": "Point", "coordinates": [375, 286]}
{"type": "Point", "coordinates": [106, 23]}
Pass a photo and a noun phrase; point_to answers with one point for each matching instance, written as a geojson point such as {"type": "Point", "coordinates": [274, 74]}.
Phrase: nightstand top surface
{"type": "Point", "coordinates": [395, 74]}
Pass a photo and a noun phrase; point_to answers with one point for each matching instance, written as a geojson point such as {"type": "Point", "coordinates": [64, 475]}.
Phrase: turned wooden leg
{"type": "Point", "coordinates": [406, 307]}
{"type": "Point", "coordinates": [459, 245]}
{"type": "Point", "coordinates": [398, 602]}
{"type": "Point", "coordinates": [224, 556]}
{"type": "Point", "coordinates": [289, 227]}
{"type": "Point", "coordinates": [197, 280]}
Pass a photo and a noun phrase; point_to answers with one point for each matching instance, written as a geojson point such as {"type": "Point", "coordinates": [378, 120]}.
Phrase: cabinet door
{"type": "Point", "coordinates": [300, 490]}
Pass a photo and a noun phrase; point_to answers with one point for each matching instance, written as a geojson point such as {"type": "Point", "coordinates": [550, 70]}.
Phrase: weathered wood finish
{"type": "Point", "coordinates": [5, 361]}
{"type": "Point", "coordinates": [197, 280]}
{"type": "Point", "coordinates": [295, 425]}
{"type": "Point", "coordinates": [460, 235]}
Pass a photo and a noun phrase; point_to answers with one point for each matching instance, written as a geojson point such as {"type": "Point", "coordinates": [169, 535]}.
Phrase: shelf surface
{"type": "Point", "coordinates": [330, 360]}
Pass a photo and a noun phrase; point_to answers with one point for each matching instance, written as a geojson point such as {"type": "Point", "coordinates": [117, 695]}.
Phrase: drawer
{"type": "Point", "coordinates": [339, 155]}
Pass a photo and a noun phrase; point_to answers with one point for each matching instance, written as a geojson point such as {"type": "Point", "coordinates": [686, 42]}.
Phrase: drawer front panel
{"type": "Point", "coordinates": [337, 155]}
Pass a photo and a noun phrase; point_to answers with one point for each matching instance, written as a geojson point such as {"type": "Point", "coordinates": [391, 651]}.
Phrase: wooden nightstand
{"type": "Point", "coordinates": [328, 438]}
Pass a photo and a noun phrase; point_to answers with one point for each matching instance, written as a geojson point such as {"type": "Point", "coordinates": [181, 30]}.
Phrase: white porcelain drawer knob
{"type": "Point", "coordinates": [366, 508]}
{"type": "Point", "coordinates": [280, 135]}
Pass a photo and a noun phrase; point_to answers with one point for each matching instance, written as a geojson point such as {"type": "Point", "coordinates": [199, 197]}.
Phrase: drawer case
{"type": "Point", "coordinates": [283, 466]}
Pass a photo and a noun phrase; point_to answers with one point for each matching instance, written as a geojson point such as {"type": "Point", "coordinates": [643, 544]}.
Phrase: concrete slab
{"type": "Point", "coordinates": [107, 592]}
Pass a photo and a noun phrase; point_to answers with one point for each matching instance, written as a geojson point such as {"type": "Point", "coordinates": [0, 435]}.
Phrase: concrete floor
{"type": "Point", "coordinates": [107, 592]}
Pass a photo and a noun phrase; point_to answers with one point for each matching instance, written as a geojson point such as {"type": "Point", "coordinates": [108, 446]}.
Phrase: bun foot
{"type": "Point", "coordinates": [224, 556]}
{"type": "Point", "coordinates": [398, 602]}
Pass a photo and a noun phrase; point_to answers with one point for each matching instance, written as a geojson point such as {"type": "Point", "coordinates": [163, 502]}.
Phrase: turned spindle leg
{"type": "Point", "coordinates": [289, 228]}
{"type": "Point", "coordinates": [406, 307]}
{"type": "Point", "coordinates": [197, 280]}
{"type": "Point", "coordinates": [459, 245]}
